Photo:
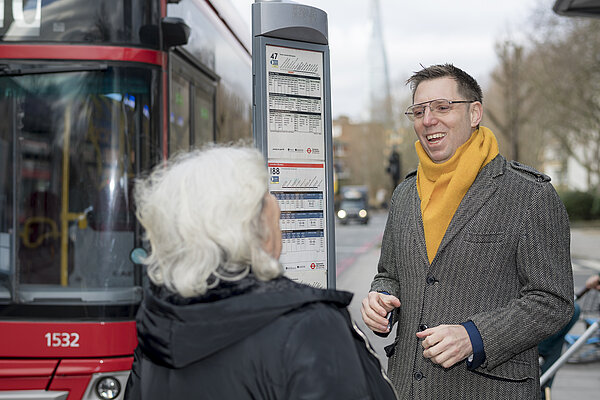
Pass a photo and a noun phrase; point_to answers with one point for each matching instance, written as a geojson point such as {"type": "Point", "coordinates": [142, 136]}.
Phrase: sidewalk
{"type": "Point", "coordinates": [358, 281]}
{"type": "Point", "coordinates": [572, 381]}
{"type": "Point", "coordinates": [585, 247]}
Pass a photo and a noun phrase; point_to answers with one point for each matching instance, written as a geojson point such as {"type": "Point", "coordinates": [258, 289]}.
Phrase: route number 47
{"type": "Point", "coordinates": [62, 339]}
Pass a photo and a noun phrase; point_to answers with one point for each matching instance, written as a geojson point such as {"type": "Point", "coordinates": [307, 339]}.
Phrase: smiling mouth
{"type": "Point", "coordinates": [435, 137]}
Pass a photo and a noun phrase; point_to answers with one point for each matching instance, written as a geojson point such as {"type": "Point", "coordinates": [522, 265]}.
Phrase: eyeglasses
{"type": "Point", "coordinates": [437, 107]}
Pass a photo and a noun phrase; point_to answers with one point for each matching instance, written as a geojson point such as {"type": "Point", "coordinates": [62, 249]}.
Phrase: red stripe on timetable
{"type": "Point", "coordinates": [296, 165]}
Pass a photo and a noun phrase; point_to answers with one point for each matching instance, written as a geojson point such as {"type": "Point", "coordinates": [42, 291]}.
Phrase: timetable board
{"type": "Point", "coordinates": [296, 159]}
{"type": "Point", "coordinates": [292, 127]}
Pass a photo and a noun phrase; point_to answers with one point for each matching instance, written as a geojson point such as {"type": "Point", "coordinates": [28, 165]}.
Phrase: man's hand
{"type": "Point", "coordinates": [446, 345]}
{"type": "Point", "coordinates": [374, 309]}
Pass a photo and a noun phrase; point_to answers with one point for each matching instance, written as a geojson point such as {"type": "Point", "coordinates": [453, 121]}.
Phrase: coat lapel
{"type": "Point", "coordinates": [419, 236]}
{"type": "Point", "coordinates": [478, 194]}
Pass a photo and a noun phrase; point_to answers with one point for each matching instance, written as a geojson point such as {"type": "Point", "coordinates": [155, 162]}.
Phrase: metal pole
{"type": "Point", "coordinates": [64, 215]}
{"type": "Point", "coordinates": [563, 359]}
{"type": "Point", "coordinates": [16, 183]}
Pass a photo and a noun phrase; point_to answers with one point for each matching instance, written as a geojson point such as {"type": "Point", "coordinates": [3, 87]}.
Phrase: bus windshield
{"type": "Point", "coordinates": [71, 143]}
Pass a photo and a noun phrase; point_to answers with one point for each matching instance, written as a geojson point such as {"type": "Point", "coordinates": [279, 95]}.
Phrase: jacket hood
{"type": "Point", "coordinates": [176, 332]}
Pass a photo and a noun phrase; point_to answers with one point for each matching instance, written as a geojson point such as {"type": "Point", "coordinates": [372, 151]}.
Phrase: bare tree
{"type": "Point", "coordinates": [507, 111]}
{"type": "Point", "coordinates": [564, 71]}
{"type": "Point", "coordinates": [510, 105]}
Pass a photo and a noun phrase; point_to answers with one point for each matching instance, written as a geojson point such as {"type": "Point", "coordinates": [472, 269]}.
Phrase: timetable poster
{"type": "Point", "coordinates": [300, 190]}
{"type": "Point", "coordinates": [295, 118]}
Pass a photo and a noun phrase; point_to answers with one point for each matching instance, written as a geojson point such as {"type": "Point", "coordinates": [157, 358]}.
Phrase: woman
{"type": "Point", "coordinates": [219, 320]}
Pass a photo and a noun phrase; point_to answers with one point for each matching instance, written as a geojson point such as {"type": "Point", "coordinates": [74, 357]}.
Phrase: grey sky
{"type": "Point", "coordinates": [462, 32]}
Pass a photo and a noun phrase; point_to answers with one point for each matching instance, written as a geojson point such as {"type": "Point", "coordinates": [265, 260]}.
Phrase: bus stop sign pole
{"type": "Point", "coordinates": [292, 127]}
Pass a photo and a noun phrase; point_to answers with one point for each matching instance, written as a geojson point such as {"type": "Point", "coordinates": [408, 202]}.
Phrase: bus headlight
{"type": "Point", "coordinates": [362, 213]}
{"type": "Point", "coordinates": [342, 214]}
{"type": "Point", "coordinates": [108, 388]}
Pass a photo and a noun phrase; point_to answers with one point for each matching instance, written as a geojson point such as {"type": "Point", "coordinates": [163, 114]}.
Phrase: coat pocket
{"type": "Point", "coordinates": [484, 237]}
{"type": "Point", "coordinates": [512, 370]}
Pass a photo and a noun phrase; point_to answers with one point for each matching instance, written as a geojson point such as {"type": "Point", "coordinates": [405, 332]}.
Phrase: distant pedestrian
{"type": "Point", "coordinates": [218, 320]}
{"type": "Point", "coordinates": [475, 261]}
{"type": "Point", "coordinates": [593, 282]}
{"type": "Point", "coordinates": [550, 349]}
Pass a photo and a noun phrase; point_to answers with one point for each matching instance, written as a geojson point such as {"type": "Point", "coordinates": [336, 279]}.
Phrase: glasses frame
{"type": "Point", "coordinates": [427, 104]}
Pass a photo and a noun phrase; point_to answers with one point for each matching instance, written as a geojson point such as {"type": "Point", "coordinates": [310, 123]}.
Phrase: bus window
{"type": "Point", "coordinates": [83, 21]}
{"type": "Point", "coordinates": [81, 139]}
{"type": "Point", "coordinates": [179, 126]}
{"type": "Point", "coordinates": [204, 115]}
{"type": "Point", "coordinates": [218, 51]}
{"type": "Point", "coordinates": [195, 114]}
{"type": "Point", "coordinates": [6, 177]}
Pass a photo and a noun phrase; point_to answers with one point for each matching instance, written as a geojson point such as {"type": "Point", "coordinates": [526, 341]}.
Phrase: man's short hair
{"type": "Point", "coordinates": [467, 85]}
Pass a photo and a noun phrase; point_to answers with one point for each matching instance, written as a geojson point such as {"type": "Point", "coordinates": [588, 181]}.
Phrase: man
{"type": "Point", "coordinates": [475, 260]}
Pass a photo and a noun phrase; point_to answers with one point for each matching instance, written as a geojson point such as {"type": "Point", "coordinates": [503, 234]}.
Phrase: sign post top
{"type": "Point", "coordinates": [288, 20]}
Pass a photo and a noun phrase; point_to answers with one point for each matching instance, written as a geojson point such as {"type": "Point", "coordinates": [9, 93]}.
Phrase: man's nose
{"type": "Point", "coordinates": [428, 117]}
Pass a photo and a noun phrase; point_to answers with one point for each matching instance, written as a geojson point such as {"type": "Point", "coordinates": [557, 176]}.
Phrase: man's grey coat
{"type": "Point", "coordinates": [504, 263]}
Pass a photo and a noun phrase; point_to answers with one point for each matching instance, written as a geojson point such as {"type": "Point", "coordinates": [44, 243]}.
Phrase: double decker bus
{"type": "Point", "coordinates": [94, 93]}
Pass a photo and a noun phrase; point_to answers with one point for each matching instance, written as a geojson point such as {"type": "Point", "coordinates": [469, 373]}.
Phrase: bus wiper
{"type": "Point", "coordinates": [6, 70]}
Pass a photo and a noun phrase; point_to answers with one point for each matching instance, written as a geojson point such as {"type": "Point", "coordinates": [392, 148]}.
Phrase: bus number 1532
{"type": "Point", "coordinates": [60, 339]}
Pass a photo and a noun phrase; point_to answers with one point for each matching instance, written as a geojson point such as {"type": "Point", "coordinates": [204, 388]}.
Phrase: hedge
{"type": "Point", "coordinates": [581, 205]}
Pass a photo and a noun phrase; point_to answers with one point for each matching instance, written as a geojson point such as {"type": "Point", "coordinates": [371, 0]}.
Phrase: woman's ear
{"type": "Point", "coordinates": [270, 215]}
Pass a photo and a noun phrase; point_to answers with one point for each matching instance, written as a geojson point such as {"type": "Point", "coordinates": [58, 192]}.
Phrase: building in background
{"type": "Point", "coordinates": [566, 172]}
{"type": "Point", "coordinates": [361, 151]}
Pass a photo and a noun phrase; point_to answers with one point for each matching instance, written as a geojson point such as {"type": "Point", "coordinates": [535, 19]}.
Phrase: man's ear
{"type": "Point", "coordinates": [476, 113]}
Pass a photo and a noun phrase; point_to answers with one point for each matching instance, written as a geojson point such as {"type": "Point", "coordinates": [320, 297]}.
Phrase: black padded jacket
{"type": "Point", "coordinates": [253, 340]}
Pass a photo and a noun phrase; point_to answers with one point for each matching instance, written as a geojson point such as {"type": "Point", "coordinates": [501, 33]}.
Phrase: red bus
{"type": "Point", "coordinates": [92, 94]}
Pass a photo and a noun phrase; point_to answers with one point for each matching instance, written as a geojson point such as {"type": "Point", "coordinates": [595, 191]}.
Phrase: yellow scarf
{"type": "Point", "coordinates": [442, 186]}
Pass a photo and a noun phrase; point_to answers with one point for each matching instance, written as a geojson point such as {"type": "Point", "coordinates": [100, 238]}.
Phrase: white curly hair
{"type": "Point", "coordinates": [202, 214]}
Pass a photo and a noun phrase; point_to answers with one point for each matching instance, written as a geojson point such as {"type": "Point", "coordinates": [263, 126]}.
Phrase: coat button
{"type": "Point", "coordinates": [422, 327]}
{"type": "Point", "coordinates": [431, 280]}
{"type": "Point", "coordinates": [418, 376]}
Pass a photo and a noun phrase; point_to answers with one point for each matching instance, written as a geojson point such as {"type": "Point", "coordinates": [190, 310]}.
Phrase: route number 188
{"type": "Point", "coordinates": [61, 339]}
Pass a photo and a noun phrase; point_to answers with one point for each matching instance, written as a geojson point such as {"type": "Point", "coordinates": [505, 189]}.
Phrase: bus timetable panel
{"type": "Point", "coordinates": [292, 126]}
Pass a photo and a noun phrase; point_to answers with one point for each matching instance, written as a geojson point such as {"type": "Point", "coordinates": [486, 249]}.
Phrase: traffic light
{"type": "Point", "coordinates": [394, 167]}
